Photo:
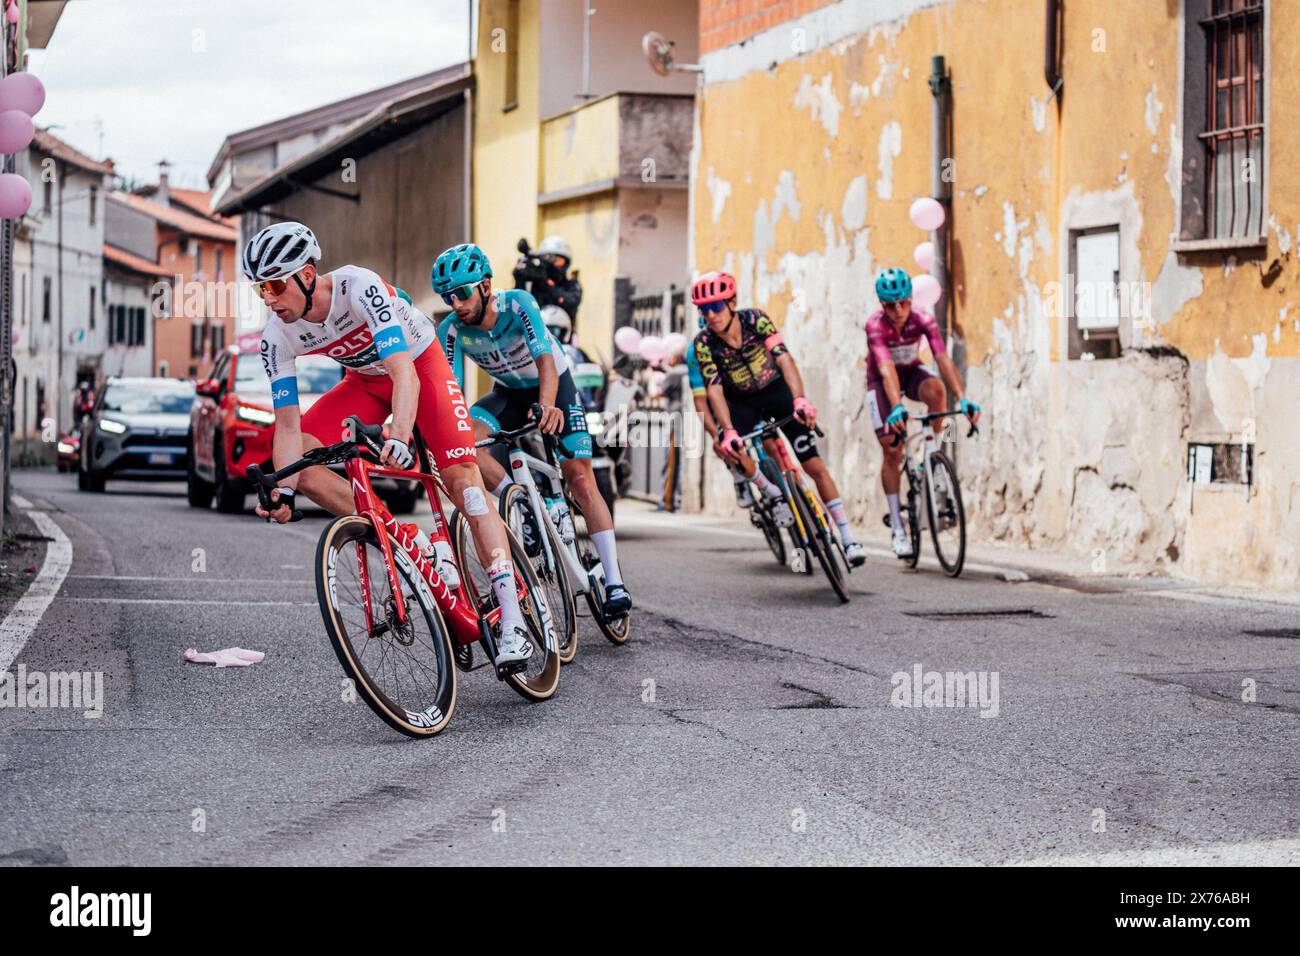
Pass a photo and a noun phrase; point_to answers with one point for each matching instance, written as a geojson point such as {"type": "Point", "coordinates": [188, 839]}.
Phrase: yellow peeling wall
{"type": "Point", "coordinates": [803, 175]}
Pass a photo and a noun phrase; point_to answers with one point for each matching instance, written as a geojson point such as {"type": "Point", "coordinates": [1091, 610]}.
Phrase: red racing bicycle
{"type": "Point", "coordinates": [399, 631]}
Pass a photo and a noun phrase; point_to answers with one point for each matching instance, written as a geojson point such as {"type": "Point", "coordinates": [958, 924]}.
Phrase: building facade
{"type": "Point", "coordinates": [59, 329]}
{"type": "Point", "coordinates": [1122, 264]}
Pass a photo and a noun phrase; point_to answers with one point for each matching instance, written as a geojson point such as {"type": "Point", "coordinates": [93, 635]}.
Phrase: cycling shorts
{"type": "Point", "coordinates": [773, 403]}
{"type": "Point", "coordinates": [910, 380]}
{"type": "Point", "coordinates": [505, 409]}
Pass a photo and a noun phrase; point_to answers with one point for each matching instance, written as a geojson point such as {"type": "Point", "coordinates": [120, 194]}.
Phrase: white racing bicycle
{"type": "Point", "coordinates": [553, 531]}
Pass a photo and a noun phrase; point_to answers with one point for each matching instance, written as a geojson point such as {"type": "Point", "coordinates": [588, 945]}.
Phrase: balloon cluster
{"type": "Point", "coordinates": [21, 98]}
{"type": "Point", "coordinates": [927, 214]}
{"type": "Point", "coordinates": [654, 349]}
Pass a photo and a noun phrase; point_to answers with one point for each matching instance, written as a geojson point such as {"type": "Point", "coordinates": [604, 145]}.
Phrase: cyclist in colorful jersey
{"type": "Point", "coordinates": [751, 377]}
{"type": "Point", "coordinates": [389, 350]}
{"type": "Point", "coordinates": [504, 335]}
{"type": "Point", "coordinates": [894, 369]}
{"type": "Point", "coordinates": [740, 465]}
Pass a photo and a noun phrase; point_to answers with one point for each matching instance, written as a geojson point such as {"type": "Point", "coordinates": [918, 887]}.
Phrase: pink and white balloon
{"type": "Point", "coordinates": [628, 340]}
{"type": "Point", "coordinates": [927, 214]}
{"type": "Point", "coordinates": [925, 291]}
{"type": "Point", "coordinates": [22, 91]}
{"type": "Point", "coordinates": [674, 344]}
{"type": "Point", "coordinates": [652, 348]}
{"type": "Point", "coordinates": [11, 13]}
{"type": "Point", "coordinates": [16, 131]}
{"type": "Point", "coordinates": [924, 255]}
{"type": "Point", "coordinates": [15, 196]}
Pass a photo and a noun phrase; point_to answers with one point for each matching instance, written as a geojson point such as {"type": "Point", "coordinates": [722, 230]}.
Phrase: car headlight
{"type": "Point", "coordinates": [112, 427]}
{"type": "Point", "coordinates": [257, 416]}
{"type": "Point", "coordinates": [65, 448]}
{"type": "Point", "coordinates": [596, 423]}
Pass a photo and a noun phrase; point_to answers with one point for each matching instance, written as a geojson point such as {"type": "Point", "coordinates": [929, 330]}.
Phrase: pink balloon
{"type": "Point", "coordinates": [11, 13]}
{"type": "Point", "coordinates": [15, 196]}
{"type": "Point", "coordinates": [674, 344]}
{"type": "Point", "coordinates": [927, 214]}
{"type": "Point", "coordinates": [22, 91]}
{"type": "Point", "coordinates": [925, 291]}
{"type": "Point", "coordinates": [924, 255]}
{"type": "Point", "coordinates": [16, 131]}
{"type": "Point", "coordinates": [651, 348]}
{"type": "Point", "coordinates": [627, 339]}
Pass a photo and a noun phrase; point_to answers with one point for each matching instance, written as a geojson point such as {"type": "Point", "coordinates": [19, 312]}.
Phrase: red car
{"type": "Point", "coordinates": [231, 424]}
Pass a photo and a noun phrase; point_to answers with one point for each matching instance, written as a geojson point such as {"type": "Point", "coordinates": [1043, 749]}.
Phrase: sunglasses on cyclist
{"type": "Point", "coordinates": [709, 308]}
{"type": "Point", "coordinates": [461, 293]}
{"type": "Point", "coordinates": [275, 286]}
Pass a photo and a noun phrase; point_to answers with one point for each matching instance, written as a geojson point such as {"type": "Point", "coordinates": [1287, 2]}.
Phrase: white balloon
{"type": "Point", "coordinates": [651, 348]}
{"type": "Point", "coordinates": [674, 344]}
{"type": "Point", "coordinates": [924, 255]}
{"type": "Point", "coordinates": [927, 214]}
{"type": "Point", "coordinates": [628, 339]}
{"type": "Point", "coordinates": [925, 291]}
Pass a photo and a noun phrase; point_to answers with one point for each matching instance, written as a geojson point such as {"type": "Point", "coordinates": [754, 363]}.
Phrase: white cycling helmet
{"type": "Point", "coordinates": [279, 250]}
{"type": "Point", "coordinates": [555, 246]}
{"type": "Point", "coordinates": [558, 321]}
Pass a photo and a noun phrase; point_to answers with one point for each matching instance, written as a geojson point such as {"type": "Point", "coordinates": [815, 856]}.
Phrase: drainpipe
{"type": "Point", "coordinates": [940, 185]}
{"type": "Point", "coordinates": [1052, 49]}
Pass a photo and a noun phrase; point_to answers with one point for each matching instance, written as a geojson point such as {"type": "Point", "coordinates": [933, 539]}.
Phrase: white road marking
{"type": "Point", "coordinates": [21, 502]}
{"type": "Point", "coordinates": [117, 600]}
{"type": "Point", "coordinates": [200, 578]}
{"type": "Point", "coordinates": [1261, 853]}
{"type": "Point", "coordinates": [21, 621]}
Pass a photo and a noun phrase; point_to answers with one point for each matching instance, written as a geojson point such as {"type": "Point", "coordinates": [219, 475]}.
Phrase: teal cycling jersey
{"type": "Point", "coordinates": [510, 350]}
{"type": "Point", "coordinates": [693, 374]}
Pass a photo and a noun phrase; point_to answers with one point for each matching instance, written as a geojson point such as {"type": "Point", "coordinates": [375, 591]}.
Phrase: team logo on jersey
{"type": "Point", "coordinates": [379, 303]}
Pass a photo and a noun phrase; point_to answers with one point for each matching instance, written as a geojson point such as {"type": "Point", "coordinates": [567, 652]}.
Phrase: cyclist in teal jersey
{"type": "Point", "coordinates": [504, 334]}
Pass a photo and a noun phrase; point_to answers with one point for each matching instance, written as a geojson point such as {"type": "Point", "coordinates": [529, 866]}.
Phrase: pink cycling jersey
{"type": "Point", "coordinates": [902, 347]}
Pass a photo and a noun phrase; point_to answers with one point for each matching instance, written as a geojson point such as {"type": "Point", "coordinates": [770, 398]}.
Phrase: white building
{"type": "Point", "coordinates": [60, 330]}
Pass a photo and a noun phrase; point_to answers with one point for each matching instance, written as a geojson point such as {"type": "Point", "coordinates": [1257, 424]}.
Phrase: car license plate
{"type": "Point", "coordinates": [160, 458]}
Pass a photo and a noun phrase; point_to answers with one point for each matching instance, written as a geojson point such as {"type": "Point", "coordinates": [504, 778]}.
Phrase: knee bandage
{"type": "Point", "coordinates": [475, 502]}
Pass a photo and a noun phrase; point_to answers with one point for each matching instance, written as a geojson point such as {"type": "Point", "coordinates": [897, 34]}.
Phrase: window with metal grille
{"type": "Point", "coordinates": [1224, 123]}
{"type": "Point", "coordinates": [1234, 134]}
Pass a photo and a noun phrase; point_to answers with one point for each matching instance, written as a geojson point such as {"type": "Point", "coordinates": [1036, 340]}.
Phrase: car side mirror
{"type": "Point", "coordinates": [209, 388]}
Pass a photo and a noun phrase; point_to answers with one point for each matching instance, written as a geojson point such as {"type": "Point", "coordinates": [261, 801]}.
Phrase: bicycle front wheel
{"type": "Point", "coordinates": [809, 511]}
{"type": "Point", "coordinates": [947, 516]}
{"type": "Point", "coordinates": [403, 671]}
{"type": "Point", "coordinates": [616, 631]}
{"type": "Point", "coordinates": [517, 512]}
{"type": "Point", "coordinates": [539, 680]}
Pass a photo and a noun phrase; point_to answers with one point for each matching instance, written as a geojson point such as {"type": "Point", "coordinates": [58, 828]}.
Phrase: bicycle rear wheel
{"type": "Point", "coordinates": [404, 671]}
{"type": "Point", "coordinates": [808, 516]}
{"type": "Point", "coordinates": [771, 533]}
{"type": "Point", "coordinates": [947, 516]}
{"type": "Point", "coordinates": [539, 680]}
{"type": "Point", "coordinates": [517, 512]}
{"type": "Point", "coordinates": [616, 631]}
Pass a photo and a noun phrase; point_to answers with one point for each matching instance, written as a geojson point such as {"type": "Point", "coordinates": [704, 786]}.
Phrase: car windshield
{"type": "Point", "coordinates": [163, 397]}
{"type": "Point", "coordinates": [316, 374]}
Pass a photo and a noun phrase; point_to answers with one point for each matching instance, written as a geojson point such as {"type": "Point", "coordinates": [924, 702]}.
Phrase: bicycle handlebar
{"type": "Point", "coordinates": [926, 419]}
{"type": "Point", "coordinates": [772, 426]}
{"type": "Point", "coordinates": [366, 438]}
{"type": "Point", "coordinates": [512, 437]}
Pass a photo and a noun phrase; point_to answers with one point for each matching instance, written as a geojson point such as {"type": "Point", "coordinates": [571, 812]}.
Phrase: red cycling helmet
{"type": "Point", "coordinates": [713, 287]}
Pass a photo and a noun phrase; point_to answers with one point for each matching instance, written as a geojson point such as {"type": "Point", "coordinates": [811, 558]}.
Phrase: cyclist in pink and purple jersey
{"type": "Point", "coordinates": [894, 369]}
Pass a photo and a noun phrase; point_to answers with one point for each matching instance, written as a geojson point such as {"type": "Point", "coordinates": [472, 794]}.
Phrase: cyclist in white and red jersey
{"type": "Point", "coordinates": [393, 365]}
{"type": "Point", "coordinates": [894, 369]}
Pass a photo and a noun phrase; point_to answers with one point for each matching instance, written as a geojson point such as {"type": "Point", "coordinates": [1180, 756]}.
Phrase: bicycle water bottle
{"type": "Point", "coordinates": [438, 553]}
{"type": "Point", "coordinates": [559, 512]}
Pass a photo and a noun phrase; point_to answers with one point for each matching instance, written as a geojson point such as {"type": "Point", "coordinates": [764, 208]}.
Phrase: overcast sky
{"type": "Point", "coordinates": [172, 78]}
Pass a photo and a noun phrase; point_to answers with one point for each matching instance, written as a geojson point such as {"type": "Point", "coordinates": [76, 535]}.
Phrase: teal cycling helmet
{"type": "Point", "coordinates": [893, 285]}
{"type": "Point", "coordinates": [461, 265]}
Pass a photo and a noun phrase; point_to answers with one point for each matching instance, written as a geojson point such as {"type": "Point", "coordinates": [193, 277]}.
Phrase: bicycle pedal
{"type": "Point", "coordinates": [511, 667]}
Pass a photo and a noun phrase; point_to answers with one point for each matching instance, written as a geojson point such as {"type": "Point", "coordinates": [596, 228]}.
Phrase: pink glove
{"type": "Point", "coordinates": [805, 410]}
{"type": "Point", "coordinates": [731, 441]}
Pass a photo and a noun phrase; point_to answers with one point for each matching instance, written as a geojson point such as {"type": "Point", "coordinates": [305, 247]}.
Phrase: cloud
{"type": "Point", "coordinates": [171, 81]}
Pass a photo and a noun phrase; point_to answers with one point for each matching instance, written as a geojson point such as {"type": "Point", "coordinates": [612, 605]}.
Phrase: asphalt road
{"type": "Point", "coordinates": [751, 719]}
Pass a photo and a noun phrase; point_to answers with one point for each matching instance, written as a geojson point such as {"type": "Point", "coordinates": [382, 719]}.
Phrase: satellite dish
{"type": "Point", "coordinates": [658, 52]}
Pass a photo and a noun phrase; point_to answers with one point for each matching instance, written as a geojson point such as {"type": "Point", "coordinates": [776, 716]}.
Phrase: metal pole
{"type": "Point", "coordinates": [586, 49]}
{"type": "Point", "coordinates": [940, 187]}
